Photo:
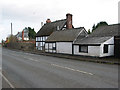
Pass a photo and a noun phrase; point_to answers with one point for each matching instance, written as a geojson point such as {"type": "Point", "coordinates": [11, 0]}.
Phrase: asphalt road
{"type": "Point", "coordinates": [25, 70]}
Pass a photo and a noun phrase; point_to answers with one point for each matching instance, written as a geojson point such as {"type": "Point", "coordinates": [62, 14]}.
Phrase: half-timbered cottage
{"type": "Point", "coordinates": [48, 28]}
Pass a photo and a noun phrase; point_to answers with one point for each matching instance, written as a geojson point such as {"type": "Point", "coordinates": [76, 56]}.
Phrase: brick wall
{"type": "Point", "coordinates": [21, 46]}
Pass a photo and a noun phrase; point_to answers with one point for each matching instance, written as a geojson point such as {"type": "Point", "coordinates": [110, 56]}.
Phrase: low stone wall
{"type": "Point", "coordinates": [21, 46]}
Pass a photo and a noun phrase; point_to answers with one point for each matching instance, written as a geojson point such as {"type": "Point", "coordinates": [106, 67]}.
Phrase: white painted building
{"type": "Point", "coordinates": [23, 35]}
{"type": "Point", "coordinates": [98, 44]}
{"type": "Point", "coordinates": [62, 41]}
{"type": "Point", "coordinates": [94, 46]}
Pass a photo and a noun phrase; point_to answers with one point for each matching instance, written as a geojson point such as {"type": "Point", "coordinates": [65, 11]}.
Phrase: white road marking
{"type": "Point", "coordinates": [31, 59]}
{"type": "Point", "coordinates": [62, 67]}
{"type": "Point", "coordinates": [36, 60]}
{"type": "Point", "coordinates": [6, 80]}
{"type": "Point", "coordinates": [14, 55]}
{"type": "Point", "coordinates": [72, 69]}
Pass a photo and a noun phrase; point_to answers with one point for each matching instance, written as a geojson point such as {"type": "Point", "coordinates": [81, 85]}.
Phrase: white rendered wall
{"type": "Point", "coordinates": [110, 48]}
{"type": "Point", "coordinates": [64, 47]}
{"type": "Point", "coordinates": [92, 51]}
{"type": "Point", "coordinates": [97, 50]}
{"type": "Point", "coordinates": [46, 47]}
{"type": "Point", "coordinates": [50, 47]}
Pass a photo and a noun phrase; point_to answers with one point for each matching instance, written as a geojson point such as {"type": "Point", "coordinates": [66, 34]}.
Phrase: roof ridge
{"type": "Point", "coordinates": [54, 21]}
{"type": "Point", "coordinates": [72, 29]}
{"type": "Point", "coordinates": [58, 20]}
{"type": "Point", "coordinates": [114, 24]}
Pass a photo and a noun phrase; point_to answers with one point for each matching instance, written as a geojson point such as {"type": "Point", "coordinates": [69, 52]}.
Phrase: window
{"type": "Point", "coordinates": [83, 48]}
{"type": "Point", "coordinates": [43, 38]}
{"type": "Point", "coordinates": [53, 44]}
{"type": "Point", "coordinates": [40, 38]}
{"type": "Point", "coordinates": [43, 43]}
{"type": "Point", "coordinates": [36, 44]}
{"type": "Point", "coordinates": [105, 48]}
{"type": "Point", "coordinates": [36, 38]}
{"type": "Point", "coordinates": [54, 48]}
{"type": "Point", "coordinates": [46, 37]}
{"type": "Point", "coordinates": [40, 43]}
{"type": "Point", "coordinates": [58, 28]}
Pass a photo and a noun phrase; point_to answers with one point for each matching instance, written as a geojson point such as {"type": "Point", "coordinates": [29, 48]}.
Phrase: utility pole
{"type": "Point", "coordinates": [11, 29]}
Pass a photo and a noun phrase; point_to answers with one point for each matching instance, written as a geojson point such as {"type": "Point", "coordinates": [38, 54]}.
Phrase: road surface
{"type": "Point", "coordinates": [25, 70]}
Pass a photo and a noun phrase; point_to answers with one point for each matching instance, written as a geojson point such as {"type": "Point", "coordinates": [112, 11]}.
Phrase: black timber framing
{"type": "Point", "coordinates": [42, 41]}
{"type": "Point", "coordinates": [72, 49]}
{"type": "Point", "coordinates": [52, 46]}
{"type": "Point", "coordinates": [117, 46]}
{"type": "Point", "coordinates": [88, 44]}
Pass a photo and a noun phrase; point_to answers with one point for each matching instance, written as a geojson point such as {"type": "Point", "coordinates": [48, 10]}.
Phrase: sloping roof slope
{"type": "Point", "coordinates": [49, 28]}
{"type": "Point", "coordinates": [100, 35]}
{"type": "Point", "coordinates": [26, 32]}
{"type": "Point", "coordinates": [92, 40]}
{"type": "Point", "coordinates": [107, 30]}
{"type": "Point", "coordinates": [66, 35]}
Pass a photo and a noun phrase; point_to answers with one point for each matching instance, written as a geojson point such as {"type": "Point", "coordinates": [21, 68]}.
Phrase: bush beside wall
{"type": "Point", "coordinates": [21, 46]}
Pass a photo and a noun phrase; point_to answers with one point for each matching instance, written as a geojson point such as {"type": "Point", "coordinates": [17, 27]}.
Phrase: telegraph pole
{"type": "Point", "coordinates": [11, 29]}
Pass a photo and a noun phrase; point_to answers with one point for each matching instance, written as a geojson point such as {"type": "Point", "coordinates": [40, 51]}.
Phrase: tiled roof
{"type": "Point", "coordinates": [66, 35]}
{"type": "Point", "coordinates": [92, 40]}
{"type": "Point", "coordinates": [100, 35]}
{"type": "Point", "coordinates": [49, 28]}
{"type": "Point", "coordinates": [107, 30]}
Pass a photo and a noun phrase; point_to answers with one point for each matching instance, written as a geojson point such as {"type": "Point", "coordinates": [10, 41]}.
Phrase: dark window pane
{"type": "Point", "coordinates": [83, 48]}
{"type": "Point", "coordinates": [54, 48]}
{"type": "Point", "coordinates": [105, 48]}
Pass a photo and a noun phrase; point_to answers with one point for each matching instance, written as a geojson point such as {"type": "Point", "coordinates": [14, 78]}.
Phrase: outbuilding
{"type": "Point", "coordinates": [101, 43]}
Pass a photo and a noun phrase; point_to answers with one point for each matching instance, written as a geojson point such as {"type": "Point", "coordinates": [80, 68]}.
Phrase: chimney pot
{"type": "Point", "coordinates": [23, 35]}
{"type": "Point", "coordinates": [48, 21]}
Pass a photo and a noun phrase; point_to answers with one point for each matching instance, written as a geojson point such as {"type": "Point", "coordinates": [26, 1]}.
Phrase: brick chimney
{"type": "Point", "coordinates": [69, 21]}
{"type": "Point", "coordinates": [48, 21]}
{"type": "Point", "coordinates": [23, 35]}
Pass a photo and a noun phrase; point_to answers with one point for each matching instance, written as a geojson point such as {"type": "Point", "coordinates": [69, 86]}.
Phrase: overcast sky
{"type": "Point", "coordinates": [30, 13]}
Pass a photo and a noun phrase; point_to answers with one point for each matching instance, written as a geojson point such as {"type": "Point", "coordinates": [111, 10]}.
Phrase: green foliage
{"type": "Point", "coordinates": [93, 28]}
{"type": "Point", "coordinates": [2, 41]}
{"type": "Point", "coordinates": [89, 31]}
{"type": "Point", "coordinates": [102, 23]}
{"type": "Point", "coordinates": [31, 33]}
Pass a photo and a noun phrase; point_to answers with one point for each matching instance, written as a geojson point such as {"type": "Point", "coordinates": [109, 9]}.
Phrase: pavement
{"type": "Point", "coordinates": [105, 60]}
{"type": "Point", "coordinates": [26, 70]}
